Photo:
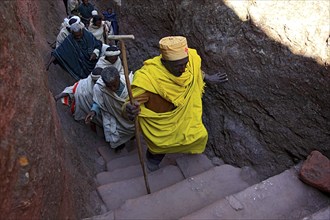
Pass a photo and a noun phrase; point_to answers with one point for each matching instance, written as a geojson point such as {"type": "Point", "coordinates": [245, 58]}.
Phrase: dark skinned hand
{"type": "Point", "coordinates": [89, 117]}
{"type": "Point", "coordinates": [216, 78]}
{"type": "Point", "coordinates": [133, 110]}
{"type": "Point", "coordinates": [93, 57]}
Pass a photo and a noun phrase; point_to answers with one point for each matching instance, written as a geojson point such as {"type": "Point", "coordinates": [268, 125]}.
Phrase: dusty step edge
{"type": "Point", "coordinates": [322, 214]}
{"type": "Point", "coordinates": [109, 192]}
{"type": "Point", "coordinates": [122, 162]}
{"type": "Point", "coordinates": [119, 174]}
{"type": "Point", "coordinates": [197, 190]}
{"type": "Point", "coordinates": [109, 154]}
{"type": "Point", "coordinates": [106, 216]}
{"type": "Point", "coordinates": [233, 206]}
{"type": "Point", "coordinates": [193, 164]}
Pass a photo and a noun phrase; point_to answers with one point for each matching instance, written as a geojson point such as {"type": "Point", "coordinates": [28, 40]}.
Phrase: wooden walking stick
{"type": "Point", "coordinates": [128, 84]}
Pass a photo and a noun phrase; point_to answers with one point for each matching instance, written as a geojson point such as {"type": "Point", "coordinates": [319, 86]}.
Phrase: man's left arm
{"type": "Point", "coordinates": [95, 110]}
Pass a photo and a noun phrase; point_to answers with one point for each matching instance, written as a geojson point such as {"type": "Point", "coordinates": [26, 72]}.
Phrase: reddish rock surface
{"type": "Point", "coordinates": [315, 171]}
{"type": "Point", "coordinates": [44, 172]}
{"type": "Point", "coordinates": [33, 179]}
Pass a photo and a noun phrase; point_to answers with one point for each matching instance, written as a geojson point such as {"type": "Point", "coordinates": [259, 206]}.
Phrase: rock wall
{"type": "Point", "coordinates": [274, 110]}
{"type": "Point", "coordinates": [46, 159]}
{"type": "Point", "coordinates": [31, 152]}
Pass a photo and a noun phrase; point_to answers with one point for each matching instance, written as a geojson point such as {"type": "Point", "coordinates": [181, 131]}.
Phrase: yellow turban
{"type": "Point", "coordinates": [173, 48]}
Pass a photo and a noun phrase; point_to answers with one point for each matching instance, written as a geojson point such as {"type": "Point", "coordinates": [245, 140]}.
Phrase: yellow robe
{"type": "Point", "coordinates": [180, 130]}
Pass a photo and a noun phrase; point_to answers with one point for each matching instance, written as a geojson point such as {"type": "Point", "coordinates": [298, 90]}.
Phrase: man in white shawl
{"type": "Point", "coordinates": [72, 6]}
{"type": "Point", "coordinates": [64, 32]}
{"type": "Point", "coordinates": [80, 97]}
{"type": "Point", "coordinates": [100, 29]}
{"type": "Point", "coordinates": [111, 58]}
{"type": "Point", "coordinates": [110, 93]}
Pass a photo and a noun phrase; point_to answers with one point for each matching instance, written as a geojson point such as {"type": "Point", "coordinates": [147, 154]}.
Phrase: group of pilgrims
{"type": "Point", "coordinates": [84, 50]}
{"type": "Point", "coordinates": [167, 90]}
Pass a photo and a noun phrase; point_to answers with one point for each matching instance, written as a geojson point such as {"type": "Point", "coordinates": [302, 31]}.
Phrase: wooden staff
{"type": "Point", "coordinates": [128, 84]}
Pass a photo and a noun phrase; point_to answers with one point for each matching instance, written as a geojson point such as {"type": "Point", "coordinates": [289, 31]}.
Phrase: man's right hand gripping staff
{"type": "Point", "coordinates": [132, 110]}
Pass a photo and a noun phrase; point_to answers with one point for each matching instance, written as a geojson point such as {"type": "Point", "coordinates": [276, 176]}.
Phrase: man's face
{"type": "Point", "coordinates": [111, 59]}
{"type": "Point", "coordinates": [77, 35]}
{"type": "Point", "coordinates": [176, 67]}
{"type": "Point", "coordinates": [98, 23]}
{"type": "Point", "coordinates": [114, 85]}
{"type": "Point", "coordinates": [85, 2]}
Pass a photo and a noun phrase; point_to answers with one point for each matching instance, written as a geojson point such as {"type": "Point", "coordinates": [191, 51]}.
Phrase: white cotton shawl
{"type": "Point", "coordinates": [61, 36]}
{"type": "Point", "coordinates": [98, 31]}
{"type": "Point", "coordinates": [72, 5]}
{"type": "Point", "coordinates": [103, 63]}
{"type": "Point", "coordinates": [117, 129]}
{"type": "Point", "coordinates": [83, 97]}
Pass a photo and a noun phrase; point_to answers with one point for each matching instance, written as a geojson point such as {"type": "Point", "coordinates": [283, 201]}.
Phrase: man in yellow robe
{"type": "Point", "coordinates": [167, 93]}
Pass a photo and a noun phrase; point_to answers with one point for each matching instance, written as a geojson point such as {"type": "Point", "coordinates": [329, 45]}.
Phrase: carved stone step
{"type": "Point", "coordinates": [186, 196]}
{"type": "Point", "coordinates": [119, 174]}
{"type": "Point", "coordinates": [115, 194]}
{"type": "Point", "coordinates": [193, 164]}
{"type": "Point", "coordinates": [283, 196]}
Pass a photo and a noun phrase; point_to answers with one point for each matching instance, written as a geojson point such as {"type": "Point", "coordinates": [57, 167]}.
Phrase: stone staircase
{"type": "Point", "coordinates": [191, 187]}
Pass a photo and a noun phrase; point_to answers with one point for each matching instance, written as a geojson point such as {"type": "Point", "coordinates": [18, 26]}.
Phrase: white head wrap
{"type": "Point", "coordinates": [76, 27]}
{"type": "Point", "coordinates": [95, 77]}
{"type": "Point", "coordinates": [74, 17]}
{"type": "Point", "coordinates": [94, 12]}
{"type": "Point", "coordinates": [65, 22]}
{"type": "Point", "coordinates": [114, 51]}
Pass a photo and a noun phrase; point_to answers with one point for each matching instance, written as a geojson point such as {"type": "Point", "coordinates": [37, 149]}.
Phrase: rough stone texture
{"type": "Point", "coordinates": [282, 196]}
{"type": "Point", "coordinates": [320, 215]}
{"type": "Point", "coordinates": [186, 196]}
{"type": "Point", "coordinates": [46, 161]}
{"type": "Point", "coordinates": [106, 216]}
{"type": "Point", "coordinates": [192, 165]}
{"type": "Point", "coordinates": [121, 162]}
{"type": "Point", "coordinates": [275, 108]}
{"type": "Point", "coordinates": [116, 193]}
{"type": "Point", "coordinates": [273, 112]}
{"type": "Point", "coordinates": [119, 174]}
{"type": "Point", "coordinates": [33, 178]}
{"type": "Point", "coordinates": [315, 171]}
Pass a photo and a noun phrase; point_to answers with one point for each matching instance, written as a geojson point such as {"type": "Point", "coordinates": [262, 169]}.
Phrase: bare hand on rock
{"type": "Point", "coordinates": [216, 78]}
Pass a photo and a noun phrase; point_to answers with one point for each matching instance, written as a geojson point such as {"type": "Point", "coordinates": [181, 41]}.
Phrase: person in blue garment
{"type": "Point", "coordinates": [110, 15]}
{"type": "Point", "coordinates": [78, 53]}
{"type": "Point", "coordinates": [85, 9]}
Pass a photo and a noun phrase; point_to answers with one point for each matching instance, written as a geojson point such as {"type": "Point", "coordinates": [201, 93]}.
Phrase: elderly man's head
{"type": "Point", "coordinates": [77, 30]}
{"type": "Point", "coordinates": [112, 53]}
{"type": "Point", "coordinates": [76, 27]}
{"type": "Point", "coordinates": [174, 50]}
{"type": "Point", "coordinates": [111, 78]}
